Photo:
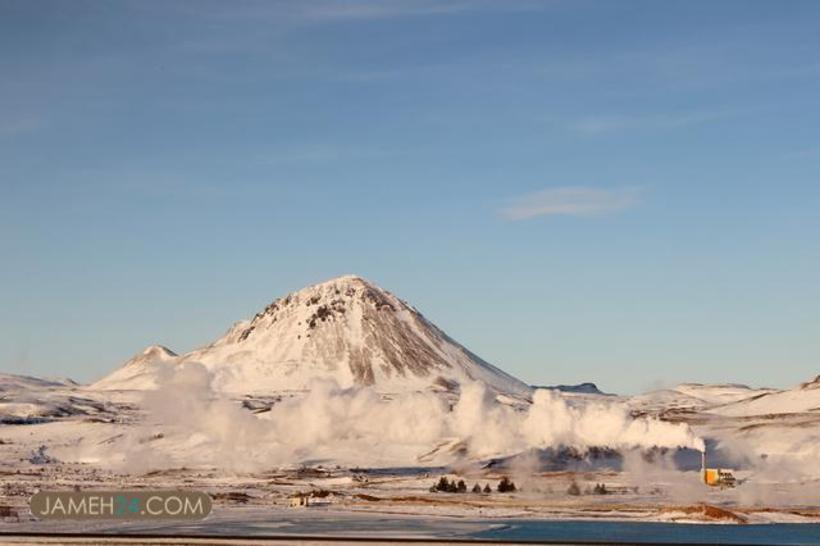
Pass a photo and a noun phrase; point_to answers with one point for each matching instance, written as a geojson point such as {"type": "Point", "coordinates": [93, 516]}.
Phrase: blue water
{"type": "Point", "coordinates": [654, 533]}
{"type": "Point", "coordinates": [253, 522]}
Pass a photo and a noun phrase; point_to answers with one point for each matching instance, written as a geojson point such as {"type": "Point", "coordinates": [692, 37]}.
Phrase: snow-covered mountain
{"type": "Point", "coordinates": [346, 329]}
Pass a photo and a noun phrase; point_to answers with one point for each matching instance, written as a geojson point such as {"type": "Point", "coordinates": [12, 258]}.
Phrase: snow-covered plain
{"type": "Point", "coordinates": [346, 391]}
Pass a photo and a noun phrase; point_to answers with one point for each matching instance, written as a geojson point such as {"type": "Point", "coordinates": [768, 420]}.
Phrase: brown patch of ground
{"type": "Point", "coordinates": [706, 512]}
{"type": "Point", "coordinates": [806, 513]}
{"type": "Point", "coordinates": [234, 497]}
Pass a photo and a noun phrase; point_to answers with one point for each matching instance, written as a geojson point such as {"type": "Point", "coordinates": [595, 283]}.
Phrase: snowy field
{"type": "Point", "coordinates": [60, 436]}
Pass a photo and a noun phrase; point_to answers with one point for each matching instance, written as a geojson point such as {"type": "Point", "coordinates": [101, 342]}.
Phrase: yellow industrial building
{"type": "Point", "coordinates": [716, 477]}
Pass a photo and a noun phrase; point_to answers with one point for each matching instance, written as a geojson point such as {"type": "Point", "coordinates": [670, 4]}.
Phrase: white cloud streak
{"type": "Point", "coordinates": [570, 201]}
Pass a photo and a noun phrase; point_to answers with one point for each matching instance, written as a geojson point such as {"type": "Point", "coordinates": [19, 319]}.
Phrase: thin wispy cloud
{"type": "Point", "coordinates": [381, 9]}
{"type": "Point", "coordinates": [319, 154]}
{"type": "Point", "coordinates": [329, 11]}
{"type": "Point", "coordinates": [595, 125]}
{"type": "Point", "coordinates": [571, 201]}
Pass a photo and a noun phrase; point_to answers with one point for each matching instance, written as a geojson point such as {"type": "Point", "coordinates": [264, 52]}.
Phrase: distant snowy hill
{"type": "Point", "coordinates": [804, 398]}
{"type": "Point", "coordinates": [30, 399]}
{"type": "Point", "coordinates": [347, 330]}
{"type": "Point", "coordinates": [720, 393]}
{"type": "Point", "coordinates": [693, 397]}
{"type": "Point", "coordinates": [744, 423]}
{"type": "Point", "coordinates": [12, 382]}
{"type": "Point", "coordinates": [580, 388]}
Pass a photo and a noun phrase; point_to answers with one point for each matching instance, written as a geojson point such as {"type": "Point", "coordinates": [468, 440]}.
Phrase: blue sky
{"type": "Point", "coordinates": [622, 192]}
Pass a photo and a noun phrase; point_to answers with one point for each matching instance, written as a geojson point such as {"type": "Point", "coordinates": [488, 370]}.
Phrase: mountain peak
{"type": "Point", "coordinates": [137, 372]}
{"type": "Point", "coordinates": [346, 329]}
{"type": "Point", "coordinates": [349, 277]}
{"type": "Point", "coordinates": [158, 351]}
{"type": "Point", "coordinates": [341, 282]}
{"type": "Point", "coordinates": [813, 384]}
{"type": "Point", "coordinates": [152, 353]}
{"type": "Point", "coordinates": [325, 302]}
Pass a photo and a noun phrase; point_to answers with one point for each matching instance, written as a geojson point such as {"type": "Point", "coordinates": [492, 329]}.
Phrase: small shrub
{"type": "Point", "coordinates": [488, 489]}
{"type": "Point", "coordinates": [476, 488]}
{"type": "Point", "coordinates": [573, 489]}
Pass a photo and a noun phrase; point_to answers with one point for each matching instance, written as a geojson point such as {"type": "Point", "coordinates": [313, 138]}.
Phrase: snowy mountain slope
{"type": "Point", "coordinates": [347, 330]}
{"type": "Point", "coordinates": [813, 384]}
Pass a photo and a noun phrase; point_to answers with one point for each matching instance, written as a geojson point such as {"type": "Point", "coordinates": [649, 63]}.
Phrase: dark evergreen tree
{"type": "Point", "coordinates": [443, 484]}
{"type": "Point", "coordinates": [505, 485]}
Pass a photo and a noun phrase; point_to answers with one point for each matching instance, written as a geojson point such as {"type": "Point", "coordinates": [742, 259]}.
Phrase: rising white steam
{"type": "Point", "coordinates": [189, 424]}
{"type": "Point", "coordinates": [551, 421]}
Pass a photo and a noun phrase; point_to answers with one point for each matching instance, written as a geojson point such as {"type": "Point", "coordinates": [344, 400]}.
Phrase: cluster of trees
{"type": "Point", "coordinates": [446, 486]}
{"type": "Point", "coordinates": [506, 486]}
{"type": "Point", "coordinates": [599, 489]}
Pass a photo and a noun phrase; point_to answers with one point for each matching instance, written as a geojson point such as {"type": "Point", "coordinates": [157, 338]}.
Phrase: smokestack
{"type": "Point", "coordinates": [703, 464]}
